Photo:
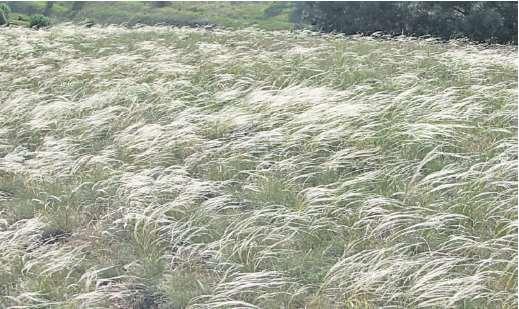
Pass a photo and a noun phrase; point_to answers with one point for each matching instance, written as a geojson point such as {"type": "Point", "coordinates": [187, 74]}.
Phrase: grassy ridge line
{"type": "Point", "coordinates": [176, 168]}
{"type": "Point", "coordinates": [224, 14]}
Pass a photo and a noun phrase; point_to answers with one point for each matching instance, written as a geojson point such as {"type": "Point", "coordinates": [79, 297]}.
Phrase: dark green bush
{"type": "Point", "coordinates": [4, 14]}
{"type": "Point", "coordinates": [276, 9]}
{"type": "Point", "coordinates": [160, 4]}
{"type": "Point", "coordinates": [39, 21]}
{"type": "Point", "coordinates": [477, 20]}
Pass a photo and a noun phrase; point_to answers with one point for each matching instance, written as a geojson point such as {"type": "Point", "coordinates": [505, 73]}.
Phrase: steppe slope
{"type": "Point", "coordinates": [166, 168]}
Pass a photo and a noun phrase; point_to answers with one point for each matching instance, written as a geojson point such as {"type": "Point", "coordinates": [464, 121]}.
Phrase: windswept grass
{"type": "Point", "coordinates": [186, 168]}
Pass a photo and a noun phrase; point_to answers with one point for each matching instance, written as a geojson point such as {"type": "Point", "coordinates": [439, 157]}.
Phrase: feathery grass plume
{"type": "Point", "coordinates": [162, 167]}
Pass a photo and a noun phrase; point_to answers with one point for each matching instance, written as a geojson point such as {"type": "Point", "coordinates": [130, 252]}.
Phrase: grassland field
{"type": "Point", "coordinates": [164, 167]}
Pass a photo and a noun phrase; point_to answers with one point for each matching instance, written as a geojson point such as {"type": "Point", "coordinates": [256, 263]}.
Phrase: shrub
{"type": "Point", "coordinates": [477, 20]}
{"type": "Point", "coordinates": [160, 4]}
{"type": "Point", "coordinates": [276, 9]}
{"type": "Point", "coordinates": [4, 14]}
{"type": "Point", "coordinates": [39, 21]}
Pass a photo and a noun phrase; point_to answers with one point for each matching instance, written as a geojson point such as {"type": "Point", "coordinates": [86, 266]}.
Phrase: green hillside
{"type": "Point", "coordinates": [264, 15]}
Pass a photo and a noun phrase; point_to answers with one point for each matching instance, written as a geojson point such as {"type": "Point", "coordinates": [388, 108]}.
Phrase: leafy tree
{"type": "Point", "coordinates": [48, 8]}
{"type": "Point", "coordinates": [76, 7]}
{"type": "Point", "coordinates": [4, 14]}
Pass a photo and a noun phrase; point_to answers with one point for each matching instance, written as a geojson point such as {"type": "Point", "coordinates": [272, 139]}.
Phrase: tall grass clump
{"type": "Point", "coordinates": [162, 167]}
